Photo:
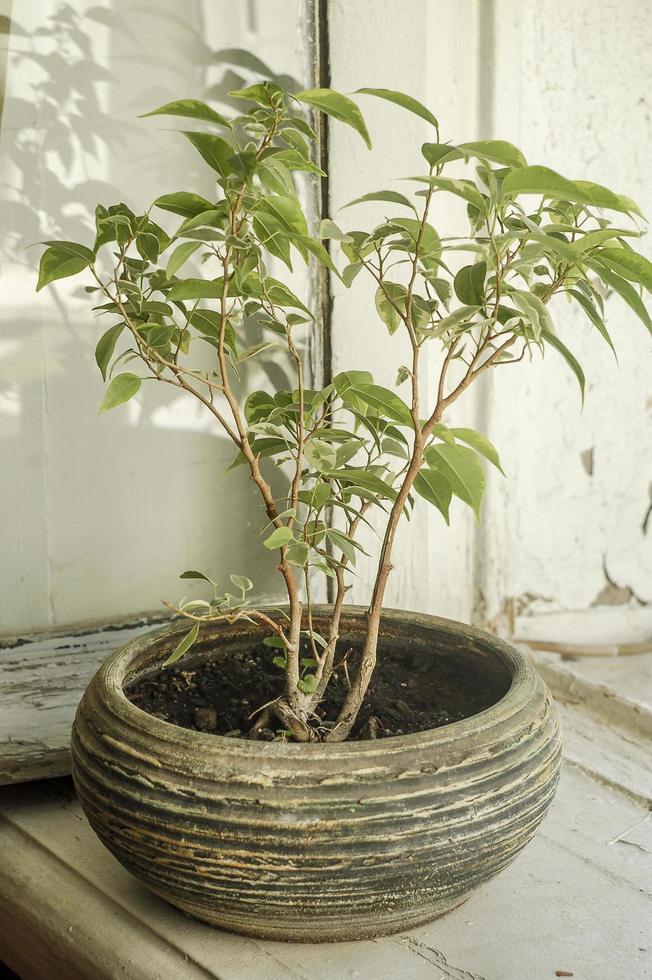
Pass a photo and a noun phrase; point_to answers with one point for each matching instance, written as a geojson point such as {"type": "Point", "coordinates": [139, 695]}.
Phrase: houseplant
{"type": "Point", "coordinates": [350, 835]}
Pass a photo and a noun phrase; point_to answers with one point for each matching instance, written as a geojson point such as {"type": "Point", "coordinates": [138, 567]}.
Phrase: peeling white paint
{"type": "Point", "coordinates": [571, 88]}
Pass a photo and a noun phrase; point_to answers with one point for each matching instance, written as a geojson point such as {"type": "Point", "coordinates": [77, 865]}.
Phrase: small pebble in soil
{"type": "Point", "coordinates": [266, 735]}
{"type": "Point", "coordinates": [206, 719]}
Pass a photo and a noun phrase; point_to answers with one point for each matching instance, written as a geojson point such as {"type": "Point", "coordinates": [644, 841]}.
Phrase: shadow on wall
{"type": "Point", "coordinates": [105, 512]}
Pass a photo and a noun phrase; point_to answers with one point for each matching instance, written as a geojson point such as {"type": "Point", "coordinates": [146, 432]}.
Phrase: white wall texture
{"type": "Point", "coordinates": [569, 84]}
{"type": "Point", "coordinates": [424, 48]}
{"type": "Point", "coordinates": [567, 532]}
{"type": "Point", "coordinates": [100, 514]}
{"type": "Point", "coordinates": [83, 499]}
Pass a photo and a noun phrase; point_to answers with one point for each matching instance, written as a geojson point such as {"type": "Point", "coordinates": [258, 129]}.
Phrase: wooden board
{"type": "Point", "coordinates": [42, 678]}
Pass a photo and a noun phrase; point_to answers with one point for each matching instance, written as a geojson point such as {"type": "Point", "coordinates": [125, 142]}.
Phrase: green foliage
{"type": "Point", "coordinates": [403, 100]}
{"type": "Point", "coordinates": [122, 388]}
{"type": "Point", "coordinates": [338, 106]}
{"type": "Point", "coordinates": [62, 259]}
{"type": "Point", "coordinates": [182, 648]}
{"type": "Point", "coordinates": [354, 453]}
{"type": "Point", "coordinates": [190, 109]}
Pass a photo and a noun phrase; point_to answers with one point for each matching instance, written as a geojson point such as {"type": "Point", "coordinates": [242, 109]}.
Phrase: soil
{"type": "Point", "coordinates": [404, 696]}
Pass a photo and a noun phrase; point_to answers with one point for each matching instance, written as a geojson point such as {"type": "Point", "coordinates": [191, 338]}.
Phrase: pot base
{"type": "Point", "coordinates": [345, 932]}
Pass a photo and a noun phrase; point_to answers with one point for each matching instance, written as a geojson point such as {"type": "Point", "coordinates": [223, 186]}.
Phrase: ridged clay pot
{"type": "Point", "coordinates": [320, 841]}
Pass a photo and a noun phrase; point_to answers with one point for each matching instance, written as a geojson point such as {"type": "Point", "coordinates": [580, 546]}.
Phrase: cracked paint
{"type": "Point", "coordinates": [437, 958]}
{"type": "Point", "coordinates": [547, 529]}
{"type": "Point", "coordinates": [612, 594]}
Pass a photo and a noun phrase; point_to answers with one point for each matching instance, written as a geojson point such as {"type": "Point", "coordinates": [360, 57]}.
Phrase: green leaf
{"type": "Point", "coordinates": [273, 236]}
{"type": "Point", "coordinates": [291, 159]}
{"type": "Point", "coordinates": [318, 496]}
{"type": "Point", "coordinates": [197, 575]}
{"type": "Point", "coordinates": [389, 295]}
{"type": "Point", "coordinates": [209, 322]}
{"type": "Point", "coordinates": [213, 218]}
{"type": "Point", "coordinates": [460, 319]}
{"type": "Point", "coordinates": [401, 99]}
{"type": "Point", "coordinates": [60, 260]}
{"type": "Point", "coordinates": [570, 359]}
{"type": "Point", "coordinates": [625, 290]}
{"type": "Point", "coordinates": [320, 455]}
{"type": "Point", "coordinates": [498, 151]}
{"type": "Point", "coordinates": [381, 400]}
{"type": "Point", "coordinates": [628, 264]}
{"type": "Point", "coordinates": [287, 212]}
{"type": "Point", "coordinates": [157, 335]}
{"type": "Point", "coordinates": [308, 684]}
{"type": "Point", "coordinates": [280, 295]}
{"type": "Point", "coordinates": [480, 443]}
{"type": "Point", "coordinates": [183, 647]}
{"type": "Point", "coordinates": [602, 235]}
{"type": "Point", "coordinates": [262, 93]}
{"type": "Point", "coordinates": [180, 256]}
{"type": "Point", "coordinates": [390, 197]}
{"type": "Point", "coordinates": [534, 311]}
{"type": "Point", "coordinates": [190, 109]}
{"type": "Point", "coordinates": [275, 642]}
{"type": "Point", "coordinates": [257, 349]}
{"type": "Point", "coordinates": [593, 315]}
{"type": "Point", "coordinates": [213, 149]}
{"type": "Point", "coordinates": [338, 106]}
{"type": "Point", "coordinates": [242, 582]}
{"type": "Point", "coordinates": [437, 154]}
{"type": "Point", "coordinates": [345, 379]}
{"type": "Point", "coordinates": [463, 470]}
{"type": "Point", "coordinates": [279, 538]}
{"type": "Point", "coordinates": [122, 388]}
{"type": "Point", "coordinates": [317, 249]}
{"type": "Point", "coordinates": [469, 284]}
{"type": "Point", "coordinates": [148, 246]}
{"type": "Point", "coordinates": [298, 553]}
{"type": "Point", "coordinates": [435, 488]}
{"type": "Point", "coordinates": [258, 406]}
{"type": "Point", "coordinates": [106, 346]}
{"type": "Point", "coordinates": [602, 197]}
{"type": "Point", "coordinates": [364, 479]}
{"type": "Point", "coordinates": [184, 203]}
{"type": "Point", "coordinates": [328, 229]}
{"type": "Point", "coordinates": [461, 188]}
{"type": "Point", "coordinates": [341, 541]}
{"type": "Point", "coordinates": [542, 180]}
{"type": "Point", "coordinates": [197, 289]}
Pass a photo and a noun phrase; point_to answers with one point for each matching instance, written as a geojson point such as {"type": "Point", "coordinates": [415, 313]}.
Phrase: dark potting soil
{"type": "Point", "coordinates": [220, 696]}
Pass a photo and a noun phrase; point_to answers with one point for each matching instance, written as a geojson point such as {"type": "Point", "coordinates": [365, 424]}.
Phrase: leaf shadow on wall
{"type": "Point", "coordinates": [106, 510]}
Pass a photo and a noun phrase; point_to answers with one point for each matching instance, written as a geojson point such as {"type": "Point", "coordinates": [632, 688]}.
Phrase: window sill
{"type": "Point", "coordinates": [576, 900]}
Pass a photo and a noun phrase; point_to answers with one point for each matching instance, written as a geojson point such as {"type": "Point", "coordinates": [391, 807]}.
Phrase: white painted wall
{"type": "Point", "coordinates": [82, 499]}
{"type": "Point", "coordinates": [571, 87]}
{"type": "Point", "coordinates": [568, 83]}
{"type": "Point", "coordinates": [424, 48]}
{"type": "Point", "coordinates": [100, 514]}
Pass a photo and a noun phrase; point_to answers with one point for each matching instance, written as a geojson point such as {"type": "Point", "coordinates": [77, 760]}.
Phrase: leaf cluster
{"type": "Point", "coordinates": [193, 275]}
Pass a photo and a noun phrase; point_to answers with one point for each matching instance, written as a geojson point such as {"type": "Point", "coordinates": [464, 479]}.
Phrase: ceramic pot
{"type": "Point", "coordinates": [321, 841]}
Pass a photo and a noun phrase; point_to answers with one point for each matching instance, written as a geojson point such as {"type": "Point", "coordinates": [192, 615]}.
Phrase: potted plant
{"type": "Point", "coordinates": [296, 801]}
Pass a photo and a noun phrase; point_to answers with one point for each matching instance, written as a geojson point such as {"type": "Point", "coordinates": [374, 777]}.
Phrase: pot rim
{"type": "Point", "coordinates": [524, 679]}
